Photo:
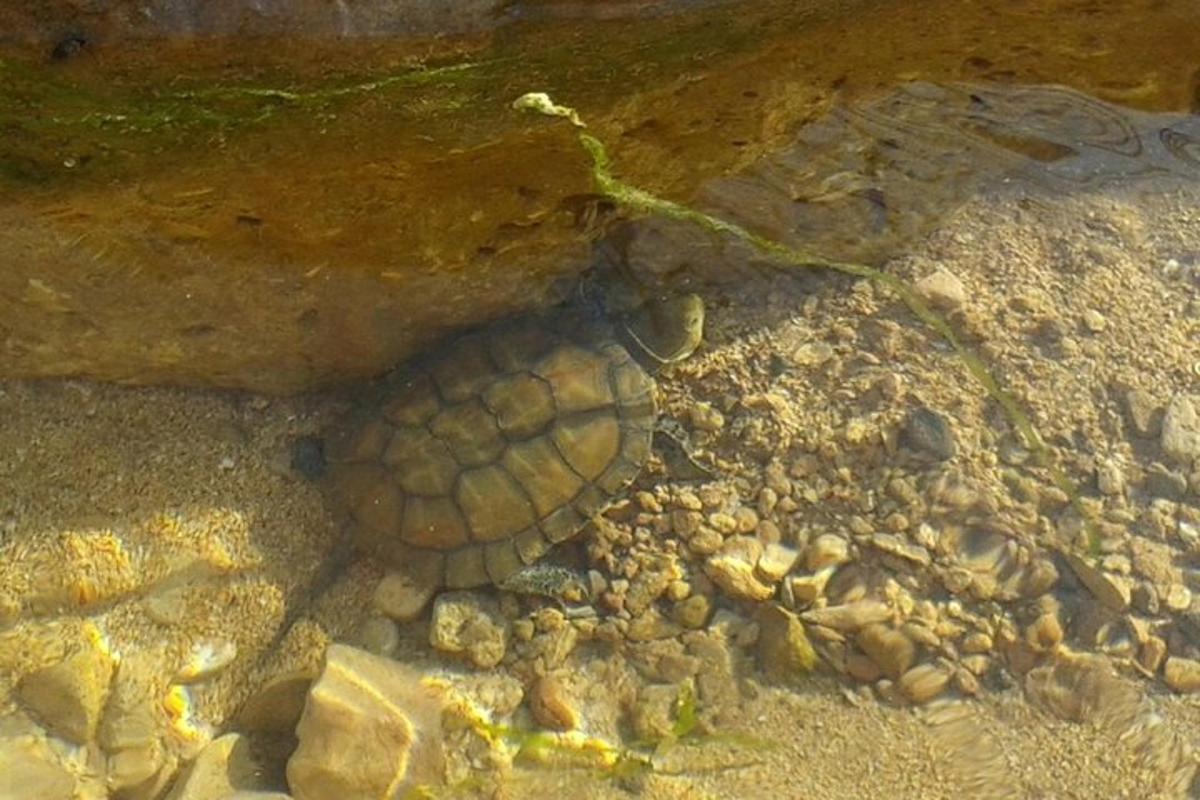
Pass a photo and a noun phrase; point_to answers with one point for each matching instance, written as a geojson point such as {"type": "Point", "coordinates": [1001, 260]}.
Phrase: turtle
{"type": "Point", "coordinates": [468, 464]}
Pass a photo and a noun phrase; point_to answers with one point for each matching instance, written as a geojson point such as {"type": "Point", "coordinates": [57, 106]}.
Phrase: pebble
{"type": "Point", "coordinates": [370, 728]}
{"type": "Point", "coordinates": [942, 289]}
{"type": "Point", "coordinates": [1151, 654]}
{"type": "Point", "coordinates": [1182, 674]}
{"type": "Point", "coordinates": [783, 645]}
{"type": "Point", "coordinates": [1144, 413]}
{"type": "Point", "coordinates": [1110, 479]}
{"type": "Point", "coordinates": [693, 612]}
{"type": "Point", "coordinates": [1110, 590]}
{"type": "Point", "coordinates": [1181, 430]}
{"type": "Point", "coordinates": [1177, 597]}
{"type": "Point", "coordinates": [923, 682]}
{"type": "Point", "coordinates": [1094, 321]}
{"type": "Point", "coordinates": [69, 697]}
{"type": "Point", "coordinates": [892, 651]}
{"type": "Point", "coordinates": [470, 624]}
{"type": "Point", "coordinates": [826, 550]}
{"type": "Point", "coordinates": [897, 546]}
{"type": "Point", "coordinates": [736, 578]}
{"type": "Point", "coordinates": [401, 596]}
{"type": "Point", "coordinates": [776, 561]}
{"type": "Point", "coordinates": [550, 705]}
{"type": "Point", "coordinates": [1045, 633]}
{"type": "Point", "coordinates": [225, 766]}
{"type": "Point", "coordinates": [977, 642]}
{"type": "Point", "coordinates": [806, 589]}
{"type": "Point", "coordinates": [849, 617]}
{"type": "Point", "coordinates": [205, 659]}
{"type": "Point", "coordinates": [928, 432]}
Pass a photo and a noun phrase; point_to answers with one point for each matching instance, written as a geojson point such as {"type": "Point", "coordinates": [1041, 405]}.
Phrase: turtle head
{"type": "Point", "coordinates": [666, 329]}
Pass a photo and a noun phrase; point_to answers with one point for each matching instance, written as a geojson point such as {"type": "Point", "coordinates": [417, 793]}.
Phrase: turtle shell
{"type": "Point", "coordinates": [472, 463]}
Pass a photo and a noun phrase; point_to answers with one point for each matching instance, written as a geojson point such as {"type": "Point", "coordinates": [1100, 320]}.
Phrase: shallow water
{"type": "Point", "coordinates": [280, 215]}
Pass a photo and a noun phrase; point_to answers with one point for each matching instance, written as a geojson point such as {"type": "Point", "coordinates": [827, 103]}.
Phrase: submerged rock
{"type": "Point", "coordinates": [69, 696]}
{"type": "Point", "coordinates": [370, 729]}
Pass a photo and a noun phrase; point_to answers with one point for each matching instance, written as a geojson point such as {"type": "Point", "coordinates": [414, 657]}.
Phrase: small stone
{"type": "Point", "coordinates": [685, 522]}
{"type": "Point", "coordinates": [705, 542]}
{"type": "Point", "coordinates": [807, 589]}
{"type": "Point", "coordinates": [1045, 633]}
{"type": "Point", "coordinates": [223, 767]}
{"type": "Point", "coordinates": [370, 728]}
{"type": "Point", "coordinates": [929, 432]}
{"type": "Point", "coordinates": [849, 617]}
{"type": "Point", "coordinates": [1094, 321]}
{"type": "Point", "coordinates": [1038, 578]}
{"type": "Point", "coordinates": [205, 659]}
{"type": "Point", "coordinates": [977, 664]}
{"type": "Point", "coordinates": [924, 682]}
{"type": "Point", "coordinates": [693, 612]}
{"type": "Point", "coordinates": [1181, 430]}
{"type": "Point", "coordinates": [977, 642]}
{"type": "Point", "coordinates": [902, 548]}
{"type": "Point", "coordinates": [723, 523]}
{"type": "Point", "coordinates": [1178, 597]}
{"type": "Point", "coordinates": [1110, 590]}
{"type": "Point", "coordinates": [550, 705]}
{"type": "Point", "coordinates": [776, 561]}
{"type": "Point", "coordinates": [783, 646]}
{"type": "Point", "coordinates": [401, 596]}
{"type": "Point", "coordinates": [1182, 675]}
{"type": "Point", "coordinates": [706, 418]}
{"type": "Point", "coordinates": [470, 624]}
{"type": "Point", "coordinates": [966, 682]}
{"type": "Point", "coordinates": [826, 550]}
{"type": "Point", "coordinates": [860, 667]}
{"type": "Point", "coordinates": [942, 289]}
{"type": "Point", "coordinates": [1145, 416]}
{"type": "Point", "coordinates": [890, 649]}
{"type": "Point", "coordinates": [68, 697]}
{"type": "Point", "coordinates": [1151, 654]}
{"type": "Point", "coordinates": [736, 578]}
{"type": "Point", "coordinates": [1110, 480]}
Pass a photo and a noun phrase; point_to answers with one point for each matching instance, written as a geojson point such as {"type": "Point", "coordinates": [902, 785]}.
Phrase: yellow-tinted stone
{"type": "Point", "coordinates": [494, 503]}
{"type": "Point", "coordinates": [541, 471]}
{"type": "Point", "coordinates": [433, 522]}
{"type": "Point", "coordinates": [588, 442]}
{"type": "Point", "coordinates": [522, 404]}
{"type": "Point", "coordinates": [423, 463]}
{"type": "Point", "coordinates": [471, 433]}
{"type": "Point", "coordinates": [578, 378]}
